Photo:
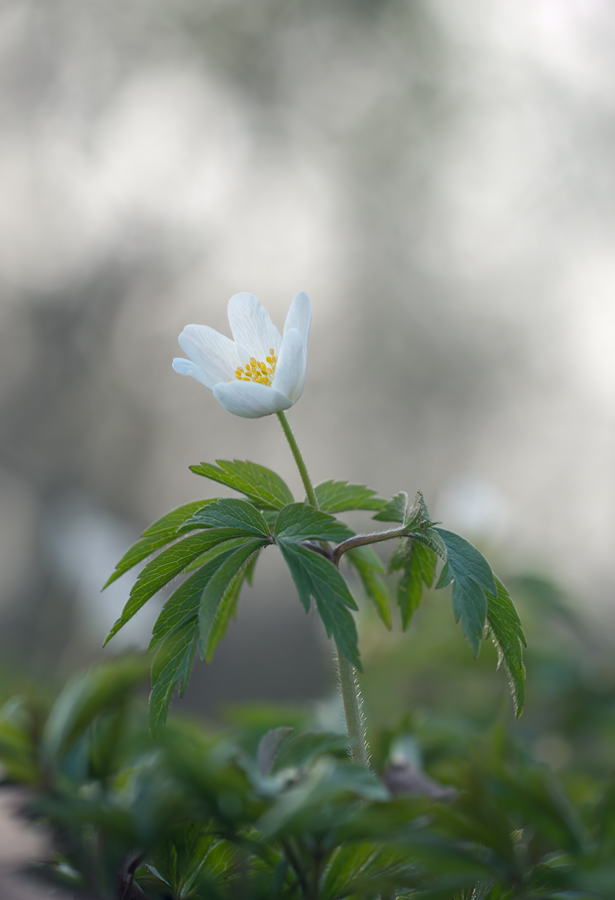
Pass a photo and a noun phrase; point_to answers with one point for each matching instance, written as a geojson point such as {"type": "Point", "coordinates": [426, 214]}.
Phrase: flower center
{"type": "Point", "coordinates": [260, 372]}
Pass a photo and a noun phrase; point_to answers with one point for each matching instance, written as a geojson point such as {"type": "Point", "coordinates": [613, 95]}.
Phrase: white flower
{"type": "Point", "coordinates": [259, 372]}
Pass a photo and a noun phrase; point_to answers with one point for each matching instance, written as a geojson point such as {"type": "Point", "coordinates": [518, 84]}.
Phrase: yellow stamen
{"type": "Point", "coordinates": [257, 371]}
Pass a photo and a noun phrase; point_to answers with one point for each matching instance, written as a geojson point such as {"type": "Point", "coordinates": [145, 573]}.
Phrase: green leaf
{"type": "Point", "coordinates": [88, 695]}
{"type": "Point", "coordinates": [473, 580]}
{"type": "Point", "coordinates": [171, 666]}
{"type": "Point", "coordinates": [395, 510]}
{"type": "Point", "coordinates": [172, 521]}
{"type": "Point", "coordinates": [446, 576]}
{"type": "Point", "coordinates": [309, 806]}
{"type": "Point", "coordinates": [419, 572]}
{"type": "Point", "coordinates": [301, 522]}
{"type": "Point", "coordinates": [369, 568]}
{"type": "Point", "coordinates": [199, 561]}
{"type": "Point", "coordinates": [418, 513]}
{"type": "Point", "coordinates": [185, 600]}
{"type": "Point", "coordinates": [227, 610]}
{"type": "Point", "coordinates": [301, 749]}
{"type": "Point", "coordinates": [340, 625]}
{"type": "Point", "coordinates": [507, 635]}
{"type": "Point", "coordinates": [339, 496]}
{"type": "Point", "coordinates": [398, 557]}
{"type": "Point", "coordinates": [19, 750]}
{"type": "Point", "coordinates": [166, 566]}
{"type": "Point", "coordinates": [250, 569]}
{"type": "Point", "coordinates": [268, 747]}
{"type": "Point", "coordinates": [470, 607]}
{"type": "Point", "coordinates": [310, 570]}
{"type": "Point", "coordinates": [368, 556]}
{"type": "Point", "coordinates": [231, 513]}
{"type": "Point", "coordinates": [216, 590]}
{"type": "Point", "coordinates": [398, 510]}
{"type": "Point", "coordinates": [258, 483]}
{"type": "Point", "coordinates": [430, 537]}
{"type": "Point", "coordinates": [157, 535]}
{"type": "Point", "coordinates": [315, 576]}
{"type": "Point", "coordinates": [177, 629]}
{"type": "Point", "coordinates": [464, 558]}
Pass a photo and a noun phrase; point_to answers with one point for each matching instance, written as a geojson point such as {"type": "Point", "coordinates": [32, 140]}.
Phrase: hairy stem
{"type": "Point", "coordinates": [346, 672]}
{"type": "Point", "coordinates": [352, 708]}
{"type": "Point", "coordinates": [360, 540]}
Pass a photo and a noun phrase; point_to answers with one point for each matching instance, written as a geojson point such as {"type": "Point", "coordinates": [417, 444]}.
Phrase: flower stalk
{"type": "Point", "coordinates": [355, 724]}
{"type": "Point", "coordinates": [296, 452]}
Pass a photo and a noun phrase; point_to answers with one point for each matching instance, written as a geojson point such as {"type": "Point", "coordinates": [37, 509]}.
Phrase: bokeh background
{"type": "Point", "coordinates": [438, 175]}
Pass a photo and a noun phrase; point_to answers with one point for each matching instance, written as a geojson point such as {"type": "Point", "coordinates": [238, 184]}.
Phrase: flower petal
{"type": "Point", "coordinates": [292, 365]}
{"type": "Point", "coordinates": [250, 399]}
{"type": "Point", "coordinates": [252, 327]}
{"type": "Point", "coordinates": [300, 316]}
{"type": "Point", "coordinates": [187, 367]}
{"type": "Point", "coordinates": [214, 354]}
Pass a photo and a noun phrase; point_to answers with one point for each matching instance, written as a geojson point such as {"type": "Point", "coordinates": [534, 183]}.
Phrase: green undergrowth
{"type": "Point", "coordinates": [268, 805]}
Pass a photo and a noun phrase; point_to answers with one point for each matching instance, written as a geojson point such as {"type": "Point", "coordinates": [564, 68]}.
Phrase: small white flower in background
{"type": "Point", "coordinates": [259, 372]}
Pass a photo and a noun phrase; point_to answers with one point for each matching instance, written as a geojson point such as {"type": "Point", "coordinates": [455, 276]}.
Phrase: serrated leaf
{"type": "Point", "coordinates": [470, 607]}
{"type": "Point", "coordinates": [419, 572]}
{"type": "Point", "coordinates": [315, 576]}
{"type": "Point", "coordinates": [340, 496]}
{"type": "Point", "coordinates": [185, 600]}
{"type": "Point", "coordinates": [257, 482]}
{"type": "Point", "coordinates": [507, 635]}
{"type": "Point", "coordinates": [418, 514]}
{"type": "Point", "coordinates": [231, 513]}
{"type": "Point", "coordinates": [172, 665]}
{"type": "Point", "coordinates": [176, 632]}
{"type": "Point", "coordinates": [157, 535]}
{"type": "Point", "coordinates": [165, 567]}
{"type": "Point", "coordinates": [464, 558]}
{"type": "Point", "coordinates": [395, 510]}
{"type": "Point", "coordinates": [399, 555]}
{"type": "Point", "coordinates": [369, 568]}
{"type": "Point", "coordinates": [250, 569]}
{"type": "Point", "coordinates": [446, 576]}
{"type": "Point", "coordinates": [340, 625]}
{"type": "Point", "coordinates": [227, 607]}
{"type": "Point", "coordinates": [473, 580]}
{"type": "Point", "coordinates": [227, 610]}
{"type": "Point", "coordinates": [211, 553]}
{"type": "Point", "coordinates": [355, 866]}
{"type": "Point", "coordinates": [309, 570]}
{"type": "Point", "coordinates": [370, 557]}
{"type": "Point", "coordinates": [177, 517]}
{"type": "Point", "coordinates": [430, 537]}
{"type": "Point", "coordinates": [217, 587]}
{"type": "Point", "coordinates": [301, 522]}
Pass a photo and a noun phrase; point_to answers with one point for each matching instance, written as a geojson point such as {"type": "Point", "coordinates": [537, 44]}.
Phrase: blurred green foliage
{"type": "Point", "coordinates": [468, 804]}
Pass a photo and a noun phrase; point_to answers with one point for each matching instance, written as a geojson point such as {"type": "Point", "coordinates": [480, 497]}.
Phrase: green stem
{"type": "Point", "coordinates": [352, 708]}
{"type": "Point", "coordinates": [360, 540]}
{"type": "Point", "coordinates": [347, 676]}
{"type": "Point", "coordinates": [294, 446]}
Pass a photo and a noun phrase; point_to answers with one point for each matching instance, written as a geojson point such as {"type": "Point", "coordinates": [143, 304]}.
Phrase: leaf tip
{"type": "Point", "coordinates": [114, 575]}
{"type": "Point", "coordinates": [116, 627]}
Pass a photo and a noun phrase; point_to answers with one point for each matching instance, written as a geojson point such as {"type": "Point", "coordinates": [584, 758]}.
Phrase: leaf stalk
{"type": "Point", "coordinates": [360, 540]}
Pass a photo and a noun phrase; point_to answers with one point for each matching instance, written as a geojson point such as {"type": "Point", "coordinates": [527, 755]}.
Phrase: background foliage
{"type": "Point", "coordinates": [467, 799]}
